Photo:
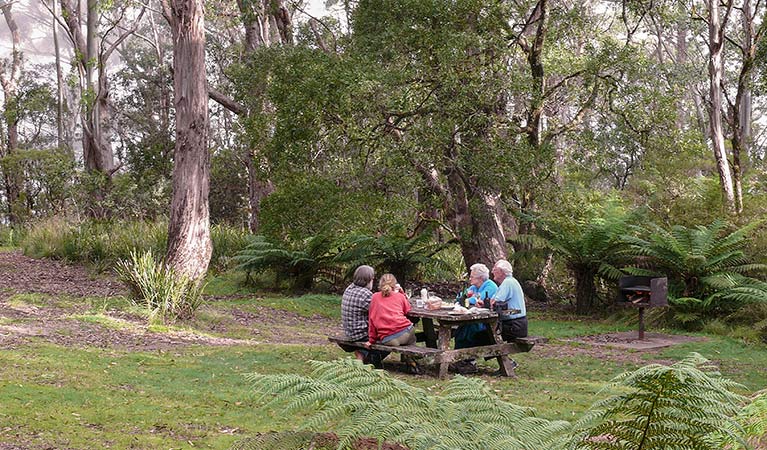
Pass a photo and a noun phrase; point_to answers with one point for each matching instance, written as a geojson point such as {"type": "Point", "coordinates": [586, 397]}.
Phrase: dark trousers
{"type": "Point", "coordinates": [514, 328]}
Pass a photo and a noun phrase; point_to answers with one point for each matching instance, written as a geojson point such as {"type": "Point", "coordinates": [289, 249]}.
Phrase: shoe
{"type": "Point", "coordinates": [413, 369]}
{"type": "Point", "coordinates": [497, 373]}
{"type": "Point", "coordinates": [375, 359]}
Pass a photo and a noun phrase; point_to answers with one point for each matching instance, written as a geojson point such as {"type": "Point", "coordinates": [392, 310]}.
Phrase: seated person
{"type": "Point", "coordinates": [509, 296]}
{"type": "Point", "coordinates": [388, 323]}
{"type": "Point", "coordinates": [355, 305]}
{"type": "Point", "coordinates": [475, 334]}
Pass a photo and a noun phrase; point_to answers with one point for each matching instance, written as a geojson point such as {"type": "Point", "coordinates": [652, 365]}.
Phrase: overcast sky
{"type": "Point", "coordinates": [35, 24]}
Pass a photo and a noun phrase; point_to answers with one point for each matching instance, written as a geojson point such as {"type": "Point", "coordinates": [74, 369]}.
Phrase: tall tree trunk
{"type": "Point", "coordinates": [266, 23]}
{"type": "Point", "coordinates": [741, 110]}
{"type": "Point", "coordinates": [257, 191]}
{"type": "Point", "coordinates": [92, 63]}
{"type": "Point", "coordinates": [189, 245]}
{"type": "Point", "coordinates": [715, 71]}
{"type": "Point", "coordinates": [10, 85]}
{"type": "Point", "coordinates": [59, 80]}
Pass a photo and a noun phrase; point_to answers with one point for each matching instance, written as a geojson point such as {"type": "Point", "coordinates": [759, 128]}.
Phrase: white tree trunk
{"type": "Point", "coordinates": [715, 71]}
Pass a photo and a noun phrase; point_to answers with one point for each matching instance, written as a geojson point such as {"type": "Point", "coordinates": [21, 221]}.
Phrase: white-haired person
{"type": "Point", "coordinates": [509, 296]}
{"type": "Point", "coordinates": [482, 289]}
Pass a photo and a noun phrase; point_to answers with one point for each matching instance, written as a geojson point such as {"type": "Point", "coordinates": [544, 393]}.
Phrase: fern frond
{"type": "Point", "coordinates": [678, 406]}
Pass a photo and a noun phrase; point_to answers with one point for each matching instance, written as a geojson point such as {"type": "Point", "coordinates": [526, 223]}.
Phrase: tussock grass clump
{"type": "Point", "coordinates": [166, 295]}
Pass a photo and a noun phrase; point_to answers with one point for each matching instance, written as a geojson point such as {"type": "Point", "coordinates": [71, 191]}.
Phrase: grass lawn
{"type": "Point", "coordinates": [195, 396]}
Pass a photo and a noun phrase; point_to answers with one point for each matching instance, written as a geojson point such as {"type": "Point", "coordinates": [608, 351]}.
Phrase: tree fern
{"type": "Point", "coordinates": [301, 265]}
{"type": "Point", "coordinates": [666, 407]}
{"type": "Point", "coordinates": [396, 254]}
{"type": "Point", "coordinates": [701, 263]}
{"type": "Point", "coordinates": [358, 401]}
{"type": "Point", "coordinates": [590, 250]}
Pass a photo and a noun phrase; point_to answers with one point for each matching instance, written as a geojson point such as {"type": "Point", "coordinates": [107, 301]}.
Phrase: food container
{"type": "Point", "coordinates": [434, 303]}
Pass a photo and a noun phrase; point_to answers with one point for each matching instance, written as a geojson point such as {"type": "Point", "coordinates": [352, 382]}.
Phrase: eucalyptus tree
{"type": "Point", "coordinates": [189, 245]}
{"type": "Point", "coordinates": [92, 52]}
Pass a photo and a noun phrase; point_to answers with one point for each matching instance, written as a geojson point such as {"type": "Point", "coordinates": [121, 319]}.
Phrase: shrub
{"type": "Point", "coordinates": [155, 286]}
{"type": "Point", "coordinates": [104, 243]}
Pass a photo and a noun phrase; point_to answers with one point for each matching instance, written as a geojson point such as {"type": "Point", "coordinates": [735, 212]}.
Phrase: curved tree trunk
{"type": "Point", "coordinates": [189, 245]}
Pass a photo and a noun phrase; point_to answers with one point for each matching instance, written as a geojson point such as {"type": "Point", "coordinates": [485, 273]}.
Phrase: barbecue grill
{"type": "Point", "coordinates": [642, 292]}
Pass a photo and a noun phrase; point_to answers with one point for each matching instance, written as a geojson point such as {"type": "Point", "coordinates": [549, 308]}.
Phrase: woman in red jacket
{"type": "Point", "coordinates": [388, 324]}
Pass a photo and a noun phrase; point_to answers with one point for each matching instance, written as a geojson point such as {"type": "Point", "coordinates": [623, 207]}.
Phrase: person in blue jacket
{"type": "Point", "coordinates": [482, 289]}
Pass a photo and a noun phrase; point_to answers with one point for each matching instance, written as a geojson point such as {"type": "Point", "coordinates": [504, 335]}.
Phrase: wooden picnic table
{"type": "Point", "coordinates": [438, 325]}
{"type": "Point", "coordinates": [437, 332]}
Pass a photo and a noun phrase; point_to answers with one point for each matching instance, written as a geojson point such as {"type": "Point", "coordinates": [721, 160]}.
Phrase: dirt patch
{"type": "Point", "coordinates": [630, 340]}
{"type": "Point", "coordinates": [20, 323]}
{"type": "Point", "coordinates": [21, 274]}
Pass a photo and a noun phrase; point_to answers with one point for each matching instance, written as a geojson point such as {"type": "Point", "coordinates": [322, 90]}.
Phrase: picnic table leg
{"type": "Point", "coordinates": [428, 329]}
{"type": "Point", "coordinates": [504, 363]}
{"type": "Point", "coordinates": [444, 344]}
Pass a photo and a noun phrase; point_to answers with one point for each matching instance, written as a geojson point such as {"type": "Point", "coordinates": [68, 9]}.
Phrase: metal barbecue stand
{"type": "Point", "coordinates": [642, 292]}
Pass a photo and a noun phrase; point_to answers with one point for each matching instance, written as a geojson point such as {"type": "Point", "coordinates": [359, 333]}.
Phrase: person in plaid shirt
{"type": "Point", "coordinates": [355, 305]}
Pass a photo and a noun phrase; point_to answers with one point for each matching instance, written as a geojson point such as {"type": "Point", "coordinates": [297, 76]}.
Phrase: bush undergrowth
{"type": "Point", "coordinates": [104, 243]}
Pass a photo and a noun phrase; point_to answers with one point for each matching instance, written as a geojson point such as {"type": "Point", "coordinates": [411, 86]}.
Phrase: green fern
{"type": "Point", "coordinates": [701, 263]}
{"type": "Point", "coordinates": [591, 250]}
{"type": "Point", "coordinates": [683, 406]}
{"type": "Point", "coordinates": [358, 401]}
{"type": "Point", "coordinates": [399, 255]}
{"type": "Point", "coordinates": [301, 265]}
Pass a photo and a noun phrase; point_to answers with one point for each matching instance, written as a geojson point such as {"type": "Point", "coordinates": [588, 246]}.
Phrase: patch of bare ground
{"type": "Point", "coordinates": [46, 321]}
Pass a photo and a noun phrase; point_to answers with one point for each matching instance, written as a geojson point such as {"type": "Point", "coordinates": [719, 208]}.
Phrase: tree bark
{"type": "Point", "coordinates": [716, 70]}
{"type": "Point", "coordinates": [584, 290]}
{"type": "Point", "coordinates": [741, 111]}
{"type": "Point", "coordinates": [59, 80]}
{"type": "Point", "coordinates": [189, 244]}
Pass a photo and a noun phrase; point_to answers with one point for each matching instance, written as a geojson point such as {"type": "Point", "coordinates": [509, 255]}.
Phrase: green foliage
{"type": "Point", "coordinates": [592, 248]}
{"type": "Point", "coordinates": [101, 243]}
{"type": "Point", "coordinates": [46, 181]}
{"type": "Point", "coordinates": [678, 406]}
{"type": "Point", "coordinates": [402, 256]}
{"type": "Point", "coordinates": [307, 206]}
{"type": "Point", "coordinates": [301, 265]}
{"type": "Point", "coordinates": [685, 405]}
{"type": "Point", "coordinates": [706, 266]}
{"type": "Point", "coordinates": [167, 295]}
{"type": "Point", "coordinates": [362, 402]}
{"type": "Point", "coordinates": [227, 241]}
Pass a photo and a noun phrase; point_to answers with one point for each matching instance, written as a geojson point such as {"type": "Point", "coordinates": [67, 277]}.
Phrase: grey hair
{"type": "Point", "coordinates": [363, 275]}
{"type": "Point", "coordinates": [505, 266]}
{"type": "Point", "coordinates": [480, 270]}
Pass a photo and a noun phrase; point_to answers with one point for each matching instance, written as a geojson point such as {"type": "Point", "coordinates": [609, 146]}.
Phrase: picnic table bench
{"type": "Point", "coordinates": [437, 339]}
